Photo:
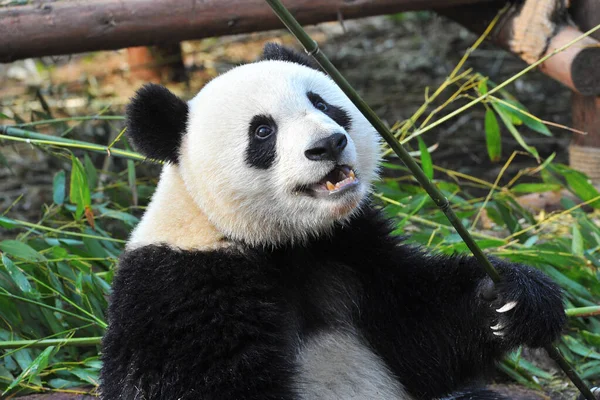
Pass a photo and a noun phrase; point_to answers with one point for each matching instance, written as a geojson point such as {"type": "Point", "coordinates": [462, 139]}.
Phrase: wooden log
{"type": "Point", "coordinates": [157, 63]}
{"type": "Point", "coordinates": [584, 152]}
{"type": "Point", "coordinates": [536, 28]}
{"type": "Point", "coordinates": [67, 27]}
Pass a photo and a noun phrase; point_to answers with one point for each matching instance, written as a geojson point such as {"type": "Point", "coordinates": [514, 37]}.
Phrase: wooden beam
{"type": "Point", "coordinates": [65, 27]}
{"type": "Point", "coordinates": [584, 152]}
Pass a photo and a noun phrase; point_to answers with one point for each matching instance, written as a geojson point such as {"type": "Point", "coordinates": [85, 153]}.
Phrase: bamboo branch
{"type": "Point", "coordinates": [20, 135]}
{"type": "Point", "coordinates": [583, 311]}
{"type": "Point", "coordinates": [76, 342]}
{"type": "Point", "coordinates": [312, 48]}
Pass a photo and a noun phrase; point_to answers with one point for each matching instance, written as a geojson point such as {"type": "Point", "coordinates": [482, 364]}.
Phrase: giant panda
{"type": "Point", "coordinates": [262, 270]}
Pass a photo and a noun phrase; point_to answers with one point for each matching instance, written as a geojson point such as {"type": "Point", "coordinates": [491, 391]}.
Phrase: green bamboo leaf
{"type": "Point", "coordinates": [6, 222]}
{"type": "Point", "coordinates": [591, 338]}
{"type": "Point", "coordinates": [521, 113]}
{"type": "Point", "coordinates": [522, 363]}
{"type": "Point", "coordinates": [572, 287]}
{"type": "Point", "coordinates": [59, 383]}
{"type": "Point", "coordinates": [577, 246]}
{"type": "Point", "coordinates": [33, 369]}
{"type": "Point", "coordinates": [505, 367]}
{"type": "Point", "coordinates": [579, 348]}
{"type": "Point", "coordinates": [482, 87]}
{"type": "Point", "coordinates": [17, 276]}
{"type": "Point", "coordinates": [129, 219]}
{"type": "Point", "coordinates": [509, 112]}
{"type": "Point", "coordinates": [58, 188]}
{"type": "Point", "coordinates": [426, 162]}
{"type": "Point", "coordinates": [90, 172]}
{"type": "Point", "coordinates": [492, 136]}
{"type": "Point", "coordinates": [592, 371]}
{"type": "Point", "coordinates": [513, 131]}
{"type": "Point", "coordinates": [578, 183]}
{"type": "Point", "coordinates": [535, 187]}
{"type": "Point", "coordinates": [86, 375]}
{"type": "Point", "coordinates": [20, 250]}
{"type": "Point", "coordinates": [79, 190]}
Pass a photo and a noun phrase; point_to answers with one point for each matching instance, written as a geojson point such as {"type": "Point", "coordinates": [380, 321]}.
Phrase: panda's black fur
{"type": "Point", "coordinates": [227, 323]}
{"type": "Point", "coordinates": [156, 122]}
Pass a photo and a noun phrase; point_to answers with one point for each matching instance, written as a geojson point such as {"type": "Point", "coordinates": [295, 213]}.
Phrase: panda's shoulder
{"type": "Point", "coordinates": [161, 271]}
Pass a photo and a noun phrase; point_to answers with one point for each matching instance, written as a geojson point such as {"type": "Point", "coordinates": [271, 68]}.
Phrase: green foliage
{"type": "Point", "coordinates": [55, 275]}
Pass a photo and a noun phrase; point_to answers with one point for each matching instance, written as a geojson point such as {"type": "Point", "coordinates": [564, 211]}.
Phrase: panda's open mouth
{"type": "Point", "coordinates": [342, 178]}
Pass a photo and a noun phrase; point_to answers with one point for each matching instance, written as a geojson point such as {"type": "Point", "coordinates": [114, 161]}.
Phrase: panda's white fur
{"type": "Point", "coordinates": [258, 207]}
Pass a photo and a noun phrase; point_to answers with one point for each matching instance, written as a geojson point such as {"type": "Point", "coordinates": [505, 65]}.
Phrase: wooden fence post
{"type": "Point", "coordinates": [584, 152]}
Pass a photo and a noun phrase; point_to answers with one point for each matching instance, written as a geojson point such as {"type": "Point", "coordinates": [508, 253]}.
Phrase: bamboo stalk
{"type": "Point", "coordinates": [583, 311]}
{"type": "Point", "coordinates": [68, 119]}
{"type": "Point", "coordinates": [312, 48]}
{"type": "Point", "coordinates": [21, 135]}
{"type": "Point", "coordinates": [86, 341]}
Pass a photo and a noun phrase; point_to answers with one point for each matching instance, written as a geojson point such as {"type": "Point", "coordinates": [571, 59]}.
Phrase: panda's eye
{"type": "Point", "coordinates": [320, 105]}
{"type": "Point", "coordinates": [263, 131]}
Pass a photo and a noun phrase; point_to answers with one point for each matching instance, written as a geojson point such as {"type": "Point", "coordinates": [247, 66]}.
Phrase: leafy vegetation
{"type": "Point", "coordinates": [55, 274]}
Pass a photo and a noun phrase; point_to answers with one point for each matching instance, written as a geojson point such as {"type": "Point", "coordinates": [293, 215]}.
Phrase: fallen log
{"type": "Point", "coordinates": [66, 27]}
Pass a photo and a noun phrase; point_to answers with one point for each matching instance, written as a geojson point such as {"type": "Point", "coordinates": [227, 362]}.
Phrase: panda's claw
{"type": "Point", "coordinates": [500, 334]}
{"type": "Point", "coordinates": [497, 327]}
{"type": "Point", "coordinates": [507, 307]}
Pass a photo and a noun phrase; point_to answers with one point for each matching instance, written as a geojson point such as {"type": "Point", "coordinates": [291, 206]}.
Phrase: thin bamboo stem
{"type": "Point", "coordinates": [20, 135]}
{"type": "Point", "coordinates": [583, 311]}
{"type": "Point", "coordinates": [67, 119]}
{"type": "Point", "coordinates": [58, 231]}
{"type": "Point", "coordinates": [86, 341]}
{"type": "Point", "coordinates": [312, 48]}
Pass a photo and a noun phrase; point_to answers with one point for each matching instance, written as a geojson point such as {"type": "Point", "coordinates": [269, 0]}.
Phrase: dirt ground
{"type": "Point", "coordinates": [390, 61]}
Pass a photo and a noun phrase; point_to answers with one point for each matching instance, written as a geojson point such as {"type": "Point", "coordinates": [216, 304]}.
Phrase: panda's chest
{"type": "Point", "coordinates": [338, 365]}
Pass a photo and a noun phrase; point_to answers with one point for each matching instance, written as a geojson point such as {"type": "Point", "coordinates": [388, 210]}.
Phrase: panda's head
{"type": "Point", "coordinates": [272, 152]}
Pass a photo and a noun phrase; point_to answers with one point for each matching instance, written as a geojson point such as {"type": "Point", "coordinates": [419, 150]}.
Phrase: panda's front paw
{"type": "Point", "coordinates": [526, 307]}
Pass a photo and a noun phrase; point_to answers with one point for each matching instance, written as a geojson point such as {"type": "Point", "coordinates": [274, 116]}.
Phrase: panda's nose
{"type": "Point", "coordinates": [328, 149]}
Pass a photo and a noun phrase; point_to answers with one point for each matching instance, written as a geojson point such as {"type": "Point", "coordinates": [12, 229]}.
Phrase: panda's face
{"type": "Point", "coordinates": [275, 153]}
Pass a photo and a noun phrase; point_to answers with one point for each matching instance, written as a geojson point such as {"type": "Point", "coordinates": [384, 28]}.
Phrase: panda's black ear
{"type": "Point", "coordinates": [274, 51]}
{"type": "Point", "coordinates": [156, 122]}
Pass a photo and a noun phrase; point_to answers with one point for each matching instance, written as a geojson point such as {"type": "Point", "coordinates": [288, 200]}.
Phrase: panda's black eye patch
{"type": "Point", "coordinates": [339, 115]}
{"type": "Point", "coordinates": [262, 133]}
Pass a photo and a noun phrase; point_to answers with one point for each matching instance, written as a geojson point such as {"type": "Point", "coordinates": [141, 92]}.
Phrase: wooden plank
{"type": "Point", "coordinates": [87, 25]}
{"type": "Point", "coordinates": [584, 152]}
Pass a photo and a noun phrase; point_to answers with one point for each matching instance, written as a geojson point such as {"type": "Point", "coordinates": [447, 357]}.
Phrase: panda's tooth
{"type": "Point", "coordinates": [352, 174]}
{"type": "Point", "coordinates": [330, 186]}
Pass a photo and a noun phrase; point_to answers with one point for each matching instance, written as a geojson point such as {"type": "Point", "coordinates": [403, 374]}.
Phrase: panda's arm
{"type": "Point", "coordinates": [191, 325]}
{"type": "Point", "coordinates": [429, 318]}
